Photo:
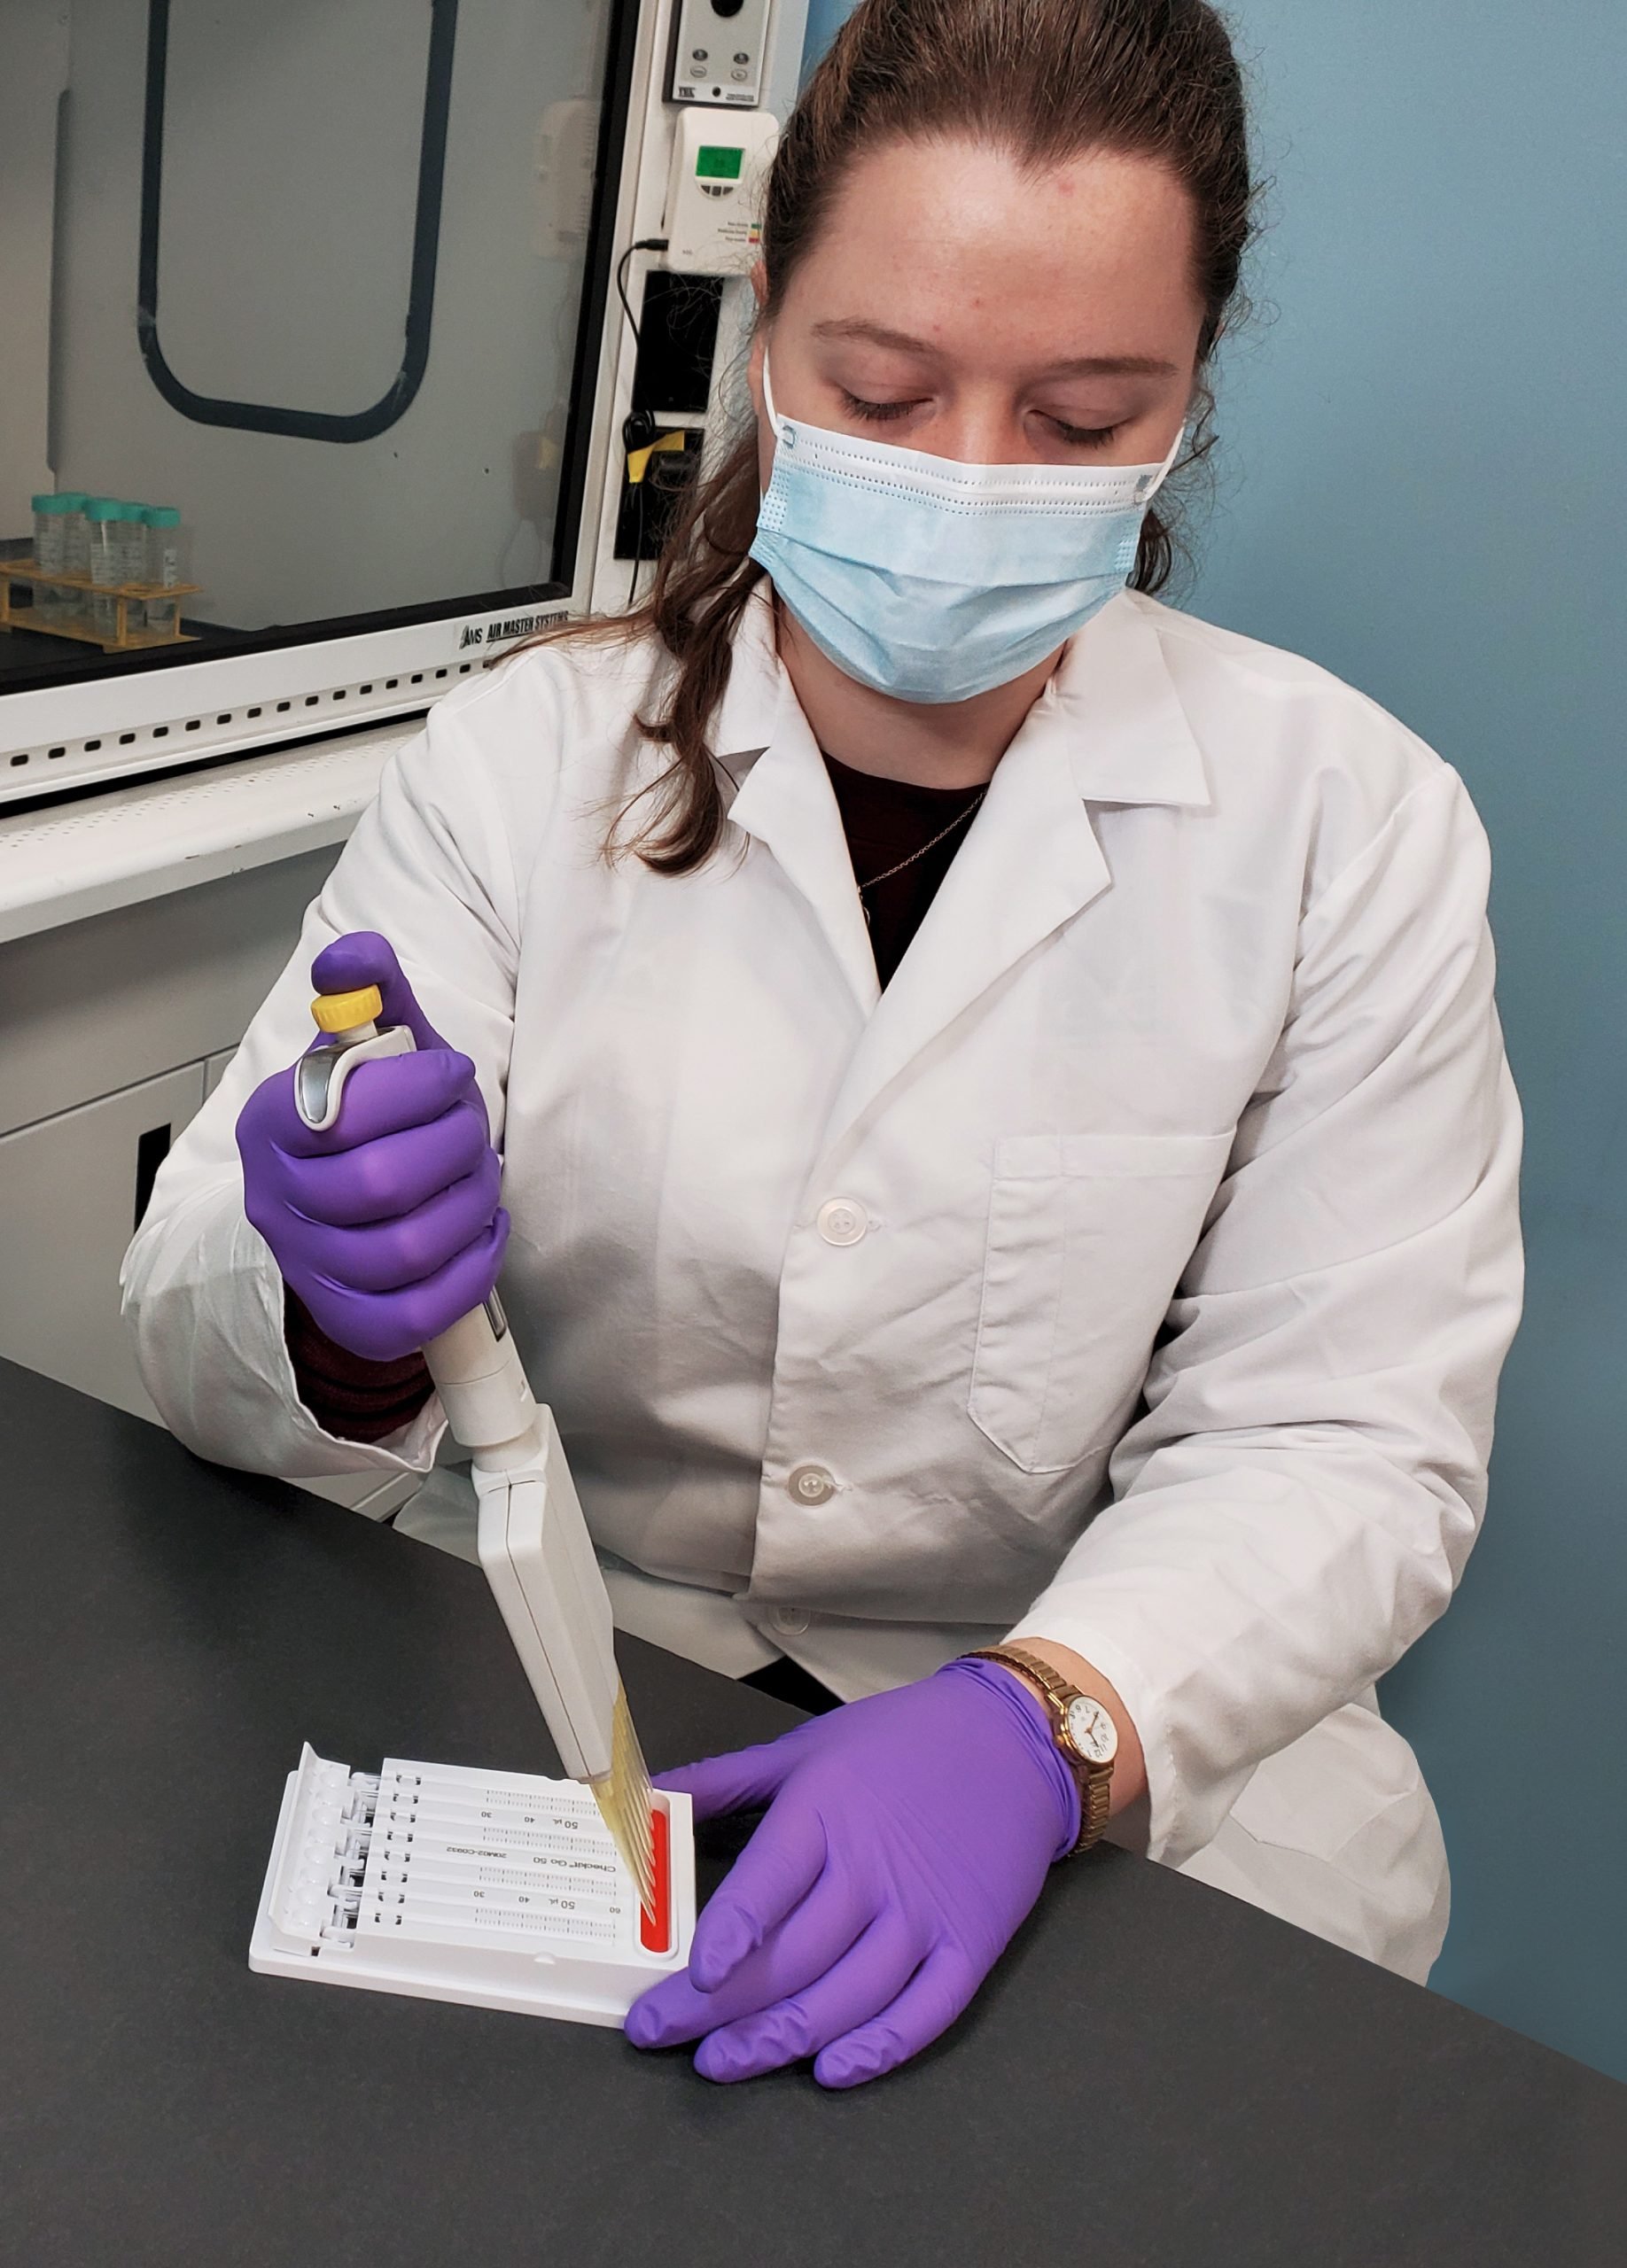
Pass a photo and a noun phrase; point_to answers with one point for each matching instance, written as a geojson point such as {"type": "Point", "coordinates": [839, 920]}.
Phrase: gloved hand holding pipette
{"type": "Point", "coordinates": [387, 1225]}
{"type": "Point", "coordinates": [369, 1169]}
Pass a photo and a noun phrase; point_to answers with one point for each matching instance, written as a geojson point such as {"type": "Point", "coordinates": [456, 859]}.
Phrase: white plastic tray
{"type": "Point", "coordinates": [499, 1888]}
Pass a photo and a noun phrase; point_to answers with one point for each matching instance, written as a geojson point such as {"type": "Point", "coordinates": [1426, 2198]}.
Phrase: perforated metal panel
{"type": "Point", "coordinates": [46, 766]}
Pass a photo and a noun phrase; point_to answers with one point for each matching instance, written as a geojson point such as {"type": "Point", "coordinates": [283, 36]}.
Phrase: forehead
{"type": "Point", "coordinates": [956, 243]}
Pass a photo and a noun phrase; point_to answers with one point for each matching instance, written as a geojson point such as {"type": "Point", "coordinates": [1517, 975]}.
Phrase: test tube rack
{"type": "Point", "coordinates": [124, 596]}
{"type": "Point", "coordinates": [498, 1889]}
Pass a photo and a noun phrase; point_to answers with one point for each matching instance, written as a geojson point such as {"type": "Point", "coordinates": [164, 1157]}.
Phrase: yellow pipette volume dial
{"type": "Point", "coordinates": [342, 1011]}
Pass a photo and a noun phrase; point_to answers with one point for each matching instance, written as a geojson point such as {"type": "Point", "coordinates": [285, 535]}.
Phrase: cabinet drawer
{"type": "Point", "coordinates": [69, 1188]}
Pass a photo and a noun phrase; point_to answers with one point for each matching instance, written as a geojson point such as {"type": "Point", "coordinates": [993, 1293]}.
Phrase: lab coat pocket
{"type": "Point", "coordinates": [1087, 1238]}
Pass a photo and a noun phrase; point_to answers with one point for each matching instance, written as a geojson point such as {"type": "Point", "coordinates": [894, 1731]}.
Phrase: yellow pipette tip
{"type": "Point", "coordinates": [344, 1011]}
{"type": "Point", "coordinates": [625, 1801]}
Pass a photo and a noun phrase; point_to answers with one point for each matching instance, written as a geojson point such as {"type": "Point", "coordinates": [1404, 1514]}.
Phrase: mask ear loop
{"type": "Point", "coordinates": [1155, 481]}
{"type": "Point", "coordinates": [774, 415]}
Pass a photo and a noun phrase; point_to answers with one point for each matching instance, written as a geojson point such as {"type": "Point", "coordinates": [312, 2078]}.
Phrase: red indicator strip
{"type": "Point", "coordinates": [655, 1922]}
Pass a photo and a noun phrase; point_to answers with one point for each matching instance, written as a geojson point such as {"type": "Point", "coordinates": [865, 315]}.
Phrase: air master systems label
{"type": "Point", "coordinates": [504, 626]}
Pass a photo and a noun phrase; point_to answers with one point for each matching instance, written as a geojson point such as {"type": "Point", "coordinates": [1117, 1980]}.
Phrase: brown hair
{"type": "Point", "coordinates": [1046, 79]}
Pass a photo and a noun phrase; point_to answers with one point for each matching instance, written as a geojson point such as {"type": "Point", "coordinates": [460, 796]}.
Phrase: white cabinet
{"type": "Point", "coordinates": [103, 1003]}
{"type": "Point", "coordinates": [70, 1190]}
{"type": "Point", "coordinates": [138, 934]}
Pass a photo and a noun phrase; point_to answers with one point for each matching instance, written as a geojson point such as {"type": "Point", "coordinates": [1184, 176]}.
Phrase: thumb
{"type": "Point", "coordinates": [744, 1781]}
{"type": "Point", "coordinates": [363, 958]}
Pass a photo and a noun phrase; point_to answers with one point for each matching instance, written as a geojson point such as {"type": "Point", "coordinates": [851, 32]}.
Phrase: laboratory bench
{"type": "Point", "coordinates": [1156, 2073]}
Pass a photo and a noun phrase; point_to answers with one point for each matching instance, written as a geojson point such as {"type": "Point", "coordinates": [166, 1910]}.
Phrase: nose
{"type": "Point", "coordinates": [984, 427]}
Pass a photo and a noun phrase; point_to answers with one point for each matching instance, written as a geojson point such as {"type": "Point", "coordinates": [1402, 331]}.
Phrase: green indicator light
{"type": "Point", "coordinates": [713, 164]}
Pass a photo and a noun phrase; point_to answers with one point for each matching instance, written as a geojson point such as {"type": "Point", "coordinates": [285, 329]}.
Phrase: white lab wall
{"type": "Point", "coordinates": [34, 50]}
{"type": "Point", "coordinates": [292, 154]}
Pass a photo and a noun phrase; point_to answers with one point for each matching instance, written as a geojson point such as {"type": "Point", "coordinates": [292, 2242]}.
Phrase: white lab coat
{"type": "Point", "coordinates": [1135, 1271]}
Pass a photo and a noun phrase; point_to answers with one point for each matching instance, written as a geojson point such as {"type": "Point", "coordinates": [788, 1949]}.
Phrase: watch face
{"type": "Point", "coordinates": [1092, 1730]}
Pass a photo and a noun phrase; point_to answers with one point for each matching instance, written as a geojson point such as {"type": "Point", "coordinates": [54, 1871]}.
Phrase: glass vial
{"type": "Point", "coordinates": [108, 535]}
{"type": "Point", "coordinates": [133, 525]}
{"type": "Point", "coordinates": [50, 548]}
{"type": "Point", "coordinates": [163, 567]}
{"type": "Point", "coordinates": [77, 604]}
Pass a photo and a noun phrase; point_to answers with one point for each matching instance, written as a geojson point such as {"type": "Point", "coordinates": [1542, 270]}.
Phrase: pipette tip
{"type": "Point", "coordinates": [625, 1800]}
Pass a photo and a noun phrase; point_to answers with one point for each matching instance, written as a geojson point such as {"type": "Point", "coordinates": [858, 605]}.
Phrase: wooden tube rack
{"type": "Point", "coordinates": [126, 639]}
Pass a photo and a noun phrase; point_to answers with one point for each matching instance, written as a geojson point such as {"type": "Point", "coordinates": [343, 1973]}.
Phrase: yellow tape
{"type": "Point", "coordinates": [638, 459]}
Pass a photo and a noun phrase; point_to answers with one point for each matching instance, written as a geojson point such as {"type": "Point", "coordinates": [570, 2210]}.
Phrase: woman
{"type": "Point", "coordinates": [1003, 1117]}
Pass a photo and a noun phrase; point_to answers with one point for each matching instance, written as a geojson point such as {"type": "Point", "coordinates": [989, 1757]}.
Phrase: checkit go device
{"type": "Point", "coordinates": [564, 1897]}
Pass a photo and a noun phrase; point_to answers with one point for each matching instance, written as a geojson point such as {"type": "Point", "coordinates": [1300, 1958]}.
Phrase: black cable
{"type": "Point", "coordinates": [644, 244]}
{"type": "Point", "coordinates": [638, 543]}
{"type": "Point", "coordinates": [621, 291]}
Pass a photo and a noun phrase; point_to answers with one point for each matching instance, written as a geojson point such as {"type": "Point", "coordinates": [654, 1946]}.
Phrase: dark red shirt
{"type": "Point", "coordinates": [886, 822]}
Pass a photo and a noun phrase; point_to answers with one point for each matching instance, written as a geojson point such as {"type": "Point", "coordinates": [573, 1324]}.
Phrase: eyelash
{"type": "Point", "coordinates": [884, 413]}
{"type": "Point", "coordinates": [875, 413]}
{"type": "Point", "coordinates": [1097, 436]}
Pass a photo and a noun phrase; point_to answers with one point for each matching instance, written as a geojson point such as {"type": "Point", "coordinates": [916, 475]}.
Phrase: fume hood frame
{"type": "Point", "coordinates": [72, 732]}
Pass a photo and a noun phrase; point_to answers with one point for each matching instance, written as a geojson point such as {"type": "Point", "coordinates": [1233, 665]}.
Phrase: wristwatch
{"type": "Point", "coordinates": [1083, 1730]}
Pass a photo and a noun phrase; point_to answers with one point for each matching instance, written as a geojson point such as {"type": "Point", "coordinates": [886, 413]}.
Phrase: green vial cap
{"type": "Point", "coordinates": [104, 507]}
{"type": "Point", "coordinates": [161, 515]}
{"type": "Point", "coordinates": [52, 504]}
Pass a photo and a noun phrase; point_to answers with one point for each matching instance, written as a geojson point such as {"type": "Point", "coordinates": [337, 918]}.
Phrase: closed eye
{"type": "Point", "coordinates": [876, 413]}
{"type": "Point", "coordinates": [885, 413]}
{"type": "Point", "coordinates": [1082, 436]}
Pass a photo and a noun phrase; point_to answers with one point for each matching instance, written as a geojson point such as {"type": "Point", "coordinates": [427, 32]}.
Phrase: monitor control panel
{"type": "Point", "coordinates": [719, 52]}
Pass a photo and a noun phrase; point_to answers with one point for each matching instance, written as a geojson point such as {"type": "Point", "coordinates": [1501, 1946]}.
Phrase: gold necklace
{"type": "Point", "coordinates": [958, 819]}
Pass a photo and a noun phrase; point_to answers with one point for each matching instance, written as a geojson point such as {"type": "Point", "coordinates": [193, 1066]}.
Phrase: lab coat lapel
{"type": "Point", "coordinates": [1108, 728]}
{"type": "Point", "coordinates": [785, 800]}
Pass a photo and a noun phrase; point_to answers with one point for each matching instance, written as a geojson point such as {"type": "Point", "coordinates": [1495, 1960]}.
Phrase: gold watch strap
{"type": "Point", "coordinates": [1095, 1780]}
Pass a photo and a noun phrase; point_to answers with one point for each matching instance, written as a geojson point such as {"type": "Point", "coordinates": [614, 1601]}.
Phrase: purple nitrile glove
{"type": "Point", "coordinates": [907, 1838]}
{"type": "Point", "coordinates": [387, 1226]}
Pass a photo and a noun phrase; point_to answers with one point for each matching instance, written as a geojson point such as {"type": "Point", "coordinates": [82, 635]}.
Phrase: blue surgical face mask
{"type": "Point", "coordinates": [933, 580]}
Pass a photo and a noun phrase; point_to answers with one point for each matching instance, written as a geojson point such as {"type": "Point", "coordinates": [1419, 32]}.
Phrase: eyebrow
{"type": "Point", "coordinates": [1075, 365]}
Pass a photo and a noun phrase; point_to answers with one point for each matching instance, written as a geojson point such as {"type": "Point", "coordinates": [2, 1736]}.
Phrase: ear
{"type": "Point", "coordinates": [760, 285]}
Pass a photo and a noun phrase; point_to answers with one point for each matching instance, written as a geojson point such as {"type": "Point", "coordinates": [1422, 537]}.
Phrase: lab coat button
{"type": "Point", "coordinates": [792, 1621]}
{"type": "Point", "coordinates": [811, 1483]}
{"type": "Point", "coordinates": [841, 1221]}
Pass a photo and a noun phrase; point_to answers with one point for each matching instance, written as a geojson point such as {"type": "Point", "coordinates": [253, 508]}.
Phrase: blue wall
{"type": "Point", "coordinates": [1423, 487]}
